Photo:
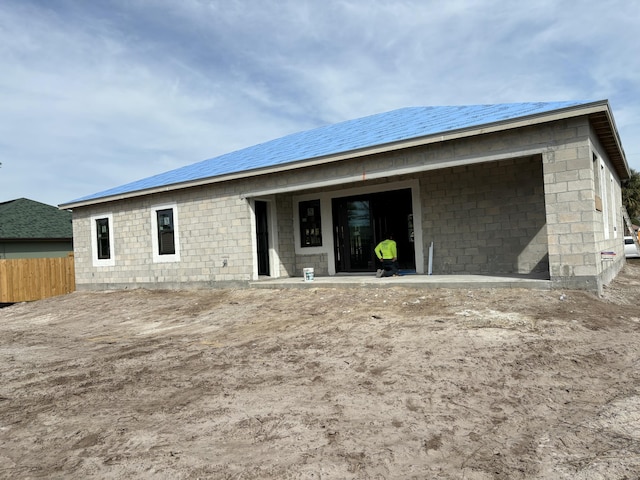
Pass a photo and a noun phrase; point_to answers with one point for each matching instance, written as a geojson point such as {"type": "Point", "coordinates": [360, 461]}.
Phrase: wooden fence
{"type": "Point", "coordinates": [26, 279]}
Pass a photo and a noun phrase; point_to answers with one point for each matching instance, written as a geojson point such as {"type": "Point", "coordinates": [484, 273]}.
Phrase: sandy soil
{"type": "Point", "coordinates": [323, 384]}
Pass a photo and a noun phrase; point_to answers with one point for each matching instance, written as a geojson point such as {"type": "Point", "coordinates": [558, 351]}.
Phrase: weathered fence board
{"type": "Point", "coordinates": [26, 279]}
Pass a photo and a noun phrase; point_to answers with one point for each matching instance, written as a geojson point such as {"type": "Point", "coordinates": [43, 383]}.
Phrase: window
{"type": "Point", "coordinates": [102, 232]}
{"type": "Point", "coordinates": [102, 240]}
{"type": "Point", "coordinates": [165, 233]}
{"type": "Point", "coordinates": [597, 183]}
{"type": "Point", "coordinates": [613, 206]}
{"type": "Point", "coordinates": [166, 238]}
{"type": "Point", "coordinates": [604, 201]}
{"type": "Point", "coordinates": [310, 224]}
{"type": "Point", "coordinates": [605, 188]}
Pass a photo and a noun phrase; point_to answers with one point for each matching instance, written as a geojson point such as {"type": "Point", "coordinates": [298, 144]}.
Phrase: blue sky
{"type": "Point", "coordinates": [95, 94]}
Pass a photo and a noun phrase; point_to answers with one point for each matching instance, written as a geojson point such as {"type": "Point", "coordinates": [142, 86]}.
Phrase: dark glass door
{"type": "Point", "coordinates": [262, 236]}
{"type": "Point", "coordinates": [360, 222]}
{"type": "Point", "coordinates": [354, 234]}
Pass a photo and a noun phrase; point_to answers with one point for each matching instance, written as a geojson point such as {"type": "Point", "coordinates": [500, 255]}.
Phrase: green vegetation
{"type": "Point", "coordinates": [631, 195]}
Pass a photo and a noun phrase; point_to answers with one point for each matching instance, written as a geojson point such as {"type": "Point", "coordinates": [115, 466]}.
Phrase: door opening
{"type": "Point", "coordinates": [361, 221]}
{"type": "Point", "coordinates": [262, 237]}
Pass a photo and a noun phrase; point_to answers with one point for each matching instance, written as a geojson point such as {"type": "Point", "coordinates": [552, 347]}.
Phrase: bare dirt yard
{"type": "Point", "coordinates": [322, 383]}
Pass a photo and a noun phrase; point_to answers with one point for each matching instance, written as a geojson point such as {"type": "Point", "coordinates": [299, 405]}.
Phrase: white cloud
{"type": "Point", "coordinates": [97, 94]}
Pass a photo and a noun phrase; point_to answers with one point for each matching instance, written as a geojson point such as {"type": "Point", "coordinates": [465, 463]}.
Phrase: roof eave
{"type": "Point", "coordinates": [604, 125]}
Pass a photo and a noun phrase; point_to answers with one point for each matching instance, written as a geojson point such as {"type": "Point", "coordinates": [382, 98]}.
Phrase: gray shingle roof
{"type": "Point", "coordinates": [375, 130]}
{"type": "Point", "coordinates": [25, 219]}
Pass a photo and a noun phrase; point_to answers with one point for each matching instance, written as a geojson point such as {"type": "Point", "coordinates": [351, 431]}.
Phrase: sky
{"type": "Point", "coordinates": [98, 93]}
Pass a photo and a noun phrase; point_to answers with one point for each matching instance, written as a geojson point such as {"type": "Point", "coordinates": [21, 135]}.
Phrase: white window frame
{"type": "Point", "coordinates": [102, 262]}
{"type": "Point", "coordinates": [326, 225]}
{"type": "Point", "coordinates": [605, 199]}
{"type": "Point", "coordinates": [157, 258]}
{"type": "Point", "coordinates": [614, 208]}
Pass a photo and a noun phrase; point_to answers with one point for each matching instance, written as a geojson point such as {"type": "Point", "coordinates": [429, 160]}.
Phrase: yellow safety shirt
{"type": "Point", "coordinates": [386, 250]}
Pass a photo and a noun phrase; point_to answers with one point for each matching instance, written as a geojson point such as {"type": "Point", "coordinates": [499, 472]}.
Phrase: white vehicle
{"type": "Point", "coordinates": [630, 249]}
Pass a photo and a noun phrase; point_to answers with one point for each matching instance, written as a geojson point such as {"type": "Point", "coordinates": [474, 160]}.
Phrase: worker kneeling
{"type": "Point", "coordinates": [387, 253]}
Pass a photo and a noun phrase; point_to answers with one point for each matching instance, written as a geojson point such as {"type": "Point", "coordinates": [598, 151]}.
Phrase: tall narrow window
{"type": "Point", "coordinates": [597, 183]}
{"type": "Point", "coordinates": [605, 200]}
{"type": "Point", "coordinates": [102, 251]}
{"type": "Point", "coordinates": [310, 224]}
{"type": "Point", "coordinates": [102, 237]}
{"type": "Point", "coordinates": [613, 206]}
{"type": "Point", "coordinates": [166, 232]}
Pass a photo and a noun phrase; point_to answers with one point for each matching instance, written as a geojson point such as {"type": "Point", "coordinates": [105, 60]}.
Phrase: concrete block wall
{"type": "Point", "coordinates": [215, 242]}
{"type": "Point", "coordinates": [576, 229]}
{"type": "Point", "coordinates": [486, 218]}
{"type": "Point", "coordinates": [571, 216]}
{"type": "Point", "coordinates": [319, 263]}
{"type": "Point", "coordinates": [286, 250]}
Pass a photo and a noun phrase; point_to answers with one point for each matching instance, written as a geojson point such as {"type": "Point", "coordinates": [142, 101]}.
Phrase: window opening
{"type": "Point", "coordinates": [310, 224]}
{"type": "Point", "coordinates": [102, 243]}
{"type": "Point", "coordinates": [102, 233]}
{"type": "Point", "coordinates": [166, 233]}
{"type": "Point", "coordinates": [597, 183]}
{"type": "Point", "coordinates": [605, 202]}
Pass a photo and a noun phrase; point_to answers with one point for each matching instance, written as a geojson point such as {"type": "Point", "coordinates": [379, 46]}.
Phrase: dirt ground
{"type": "Point", "coordinates": [353, 383]}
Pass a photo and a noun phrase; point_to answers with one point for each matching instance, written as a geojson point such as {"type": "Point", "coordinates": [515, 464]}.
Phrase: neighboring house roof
{"type": "Point", "coordinates": [372, 134]}
{"type": "Point", "coordinates": [24, 219]}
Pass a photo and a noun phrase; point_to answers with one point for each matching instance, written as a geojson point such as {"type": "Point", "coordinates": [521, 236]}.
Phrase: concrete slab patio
{"type": "Point", "coordinates": [407, 281]}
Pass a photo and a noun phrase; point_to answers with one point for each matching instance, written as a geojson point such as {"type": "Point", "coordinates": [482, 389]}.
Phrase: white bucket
{"type": "Point", "coordinates": [308, 274]}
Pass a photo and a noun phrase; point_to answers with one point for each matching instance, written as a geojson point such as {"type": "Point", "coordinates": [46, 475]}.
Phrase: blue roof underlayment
{"type": "Point", "coordinates": [375, 130]}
